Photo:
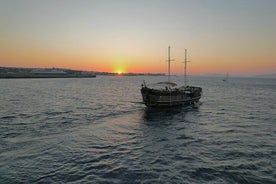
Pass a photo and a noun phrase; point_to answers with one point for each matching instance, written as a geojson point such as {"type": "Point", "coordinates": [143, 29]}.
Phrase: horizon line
{"type": "Point", "coordinates": [177, 74]}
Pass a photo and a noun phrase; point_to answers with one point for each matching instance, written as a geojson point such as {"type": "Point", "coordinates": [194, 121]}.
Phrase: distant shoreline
{"type": "Point", "coordinates": [17, 72]}
{"type": "Point", "coordinates": [29, 76]}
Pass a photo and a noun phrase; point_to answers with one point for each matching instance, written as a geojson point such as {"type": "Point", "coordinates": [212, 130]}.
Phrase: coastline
{"type": "Point", "coordinates": [30, 75]}
{"type": "Point", "coordinates": [17, 72]}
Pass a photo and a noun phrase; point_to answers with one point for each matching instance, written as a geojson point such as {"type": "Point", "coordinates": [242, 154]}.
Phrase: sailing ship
{"type": "Point", "coordinates": [226, 78]}
{"type": "Point", "coordinates": [167, 94]}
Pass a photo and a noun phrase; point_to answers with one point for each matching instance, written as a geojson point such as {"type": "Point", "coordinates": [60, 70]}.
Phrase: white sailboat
{"type": "Point", "coordinates": [226, 78]}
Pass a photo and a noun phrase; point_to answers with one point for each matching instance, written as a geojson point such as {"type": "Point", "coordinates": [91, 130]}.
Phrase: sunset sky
{"type": "Point", "coordinates": [221, 36]}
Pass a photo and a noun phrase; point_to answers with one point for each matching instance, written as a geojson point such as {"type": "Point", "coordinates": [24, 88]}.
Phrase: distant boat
{"type": "Point", "coordinates": [226, 78]}
{"type": "Point", "coordinates": [166, 94]}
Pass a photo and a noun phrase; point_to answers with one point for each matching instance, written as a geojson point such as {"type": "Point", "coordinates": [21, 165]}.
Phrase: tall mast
{"type": "Point", "coordinates": [185, 67]}
{"type": "Point", "coordinates": [169, 64]}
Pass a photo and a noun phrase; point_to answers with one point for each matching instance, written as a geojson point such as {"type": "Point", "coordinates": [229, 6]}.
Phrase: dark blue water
{"type": "Point", "coordinates": [95, 131]}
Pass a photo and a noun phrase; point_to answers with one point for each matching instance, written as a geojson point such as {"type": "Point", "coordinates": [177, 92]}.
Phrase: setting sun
{"type": "Point", "coordinates": [119, 72]}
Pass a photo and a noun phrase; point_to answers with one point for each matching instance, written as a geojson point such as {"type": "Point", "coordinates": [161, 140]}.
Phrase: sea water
{"type": "Point", "coordinates": [96, 130]}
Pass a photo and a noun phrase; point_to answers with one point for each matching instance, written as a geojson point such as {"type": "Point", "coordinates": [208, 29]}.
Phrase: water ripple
{"type": "Point", "coordinates": [90, 131]}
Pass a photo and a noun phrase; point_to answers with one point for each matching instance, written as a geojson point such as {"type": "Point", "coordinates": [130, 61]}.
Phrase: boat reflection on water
{"type": "Point", "coordinates": [167, 115]}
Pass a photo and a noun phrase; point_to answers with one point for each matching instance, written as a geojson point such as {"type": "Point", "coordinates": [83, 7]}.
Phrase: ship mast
{"type": "Point", "coordinates": [169, 64]}
{"type": "Point", "coordinates": [185, 67]}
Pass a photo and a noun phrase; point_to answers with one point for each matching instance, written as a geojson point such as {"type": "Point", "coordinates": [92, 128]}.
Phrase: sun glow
{"type": "Point", "coordinates": [119, 72]}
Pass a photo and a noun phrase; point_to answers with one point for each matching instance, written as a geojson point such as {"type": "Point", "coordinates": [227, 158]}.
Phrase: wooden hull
{"type": "Point", "coordinates": [167, 98]}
